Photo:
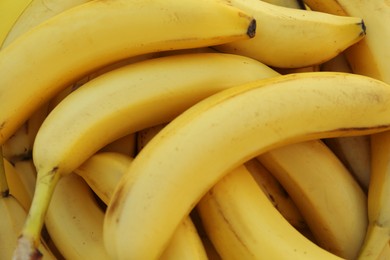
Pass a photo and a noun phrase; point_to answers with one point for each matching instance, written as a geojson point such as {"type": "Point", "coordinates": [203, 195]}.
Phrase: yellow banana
{"type": "Point", "coordinates": [97, 28]}
{"type": "Point", "coordinates": [16, 186]}
{"type": "Point", "coordinates": [278, 196]}
{"type": "Point", "coordinates": [293, 38]}
{"type": "Point", "coordinates": [330, 200]}
{"type": "Point", "coordinates": [75, 221]}
{"type": "Point", "coordinates": [378, 233]}
{"type": "Point", "coordinates": [175, 81]}
{"type": "Point", "coordinates": [297, 4]}
{"type": "Point", "coordinates": [103, 171]}
{"type": "Point", "coordinates": [10, 10]}
{"type": "Point", "coordinates": [221, 132]}
{"type": "Point", "coordinates": [37, 12]}
{"type": "Point", "coordinates": [370, 57]}
{"type": "Point", "coordinates": [355, 153]}
{"type": "Point", "coordinates": [243, 224]}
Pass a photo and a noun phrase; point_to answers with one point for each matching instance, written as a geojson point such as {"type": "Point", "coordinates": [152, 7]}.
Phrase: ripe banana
{"type": "Point", "coordinates": [378, 233]}
{"type": "Point", "coordinates": [221, 132]}
{"type": "Point", "coordinates": [97, 28]}
{"type": "Point", "coordinates": [369, 56]}
{"type": "Point", "coordinates": [297, 4]}
{"type": "Point", "coordinates": [37, 12]}
{"type": "Point", "coordinates": [355, 153]}
{"type": "Point", "coordinates": [243, 224]}
{"type": "Point", "coordinates": [75, 221]}
{"type": "Point", "coordinates": [145, 135]}
{"type": "Point", "coordinates": [16, 186]}
{"type": "Point", "coordinates": [10, 10]}
{"type": "Point", "coordinates": [293, 38]}
{"type": "Point", "coordinates": [103, 171]}
{"type": "Point", "coordinates": [278, 196]}
{"type": "Point", "coordinates": [175, 81]}
{"type": "Point", "coordinates": [330, 200]}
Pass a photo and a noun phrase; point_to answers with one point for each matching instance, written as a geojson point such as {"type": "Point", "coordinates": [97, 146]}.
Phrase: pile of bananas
{"type": "Point", "coordinates": [195, 129]}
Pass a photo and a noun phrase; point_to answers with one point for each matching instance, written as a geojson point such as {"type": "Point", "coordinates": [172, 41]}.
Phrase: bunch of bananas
{"type": "Point", "coordinates": [194, 129]}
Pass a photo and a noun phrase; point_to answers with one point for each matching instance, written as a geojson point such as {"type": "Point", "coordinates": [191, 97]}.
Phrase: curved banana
{"type": "Point", "coordinates": [355, 153]}
{"type": "Point", "coordinates": [97, 28]}
{"type": "Point", "coordinates": [278, 196]}
{"type": "Point", "coordinates": [37, 12]}
{"type": "Point", "coordinates": [330, 200]}
{"type": "Point", "coordinates": [378, 233]}
{"type": "Point", "coordinates": [16, 186]}
{"type": "Point", "coordinates": [74, 220]}
{"type": "Point", "coordinates": [297, 4]}
{"type": "Point", "coordinates": [369, 56]}
{"type": "Point", "coordinates": [10, 10]}
{"type": "Point", "coordinates": [175, 81]}
{"type": "Point", "coordinates": [223, 131]}
{"type": "Point", "coordinates": [243, 224]}
{"type": "Point", "coordinates": [293, 38]}
{"type": "Point", "coordinates": [103, 172]}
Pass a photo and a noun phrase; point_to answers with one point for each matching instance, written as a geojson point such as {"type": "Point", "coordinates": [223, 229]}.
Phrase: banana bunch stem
{"type": "Point", "coordinates": [29, 240]}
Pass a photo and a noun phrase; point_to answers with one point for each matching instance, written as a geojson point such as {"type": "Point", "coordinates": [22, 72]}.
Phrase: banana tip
{"type": "Point", "coordinates": [364, 28]}
{"type": "Point", "coordinates": [251, 32]}
{"type": "Point", "coordinates": [26, 250]}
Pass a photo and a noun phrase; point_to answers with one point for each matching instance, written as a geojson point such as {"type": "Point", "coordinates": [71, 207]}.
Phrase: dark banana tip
{"type": "Point", "coordinates": [251, 32]}
{"type": "Point", "coordinates": [364, 28]}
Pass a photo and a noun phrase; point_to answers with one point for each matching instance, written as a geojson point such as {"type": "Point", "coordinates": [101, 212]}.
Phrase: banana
{"type": "Point", "coordinates": [369, 56]}
{"type": "Point", "coordinates": [74, 220]}
{"type": "Point", "coordinates": [12, 218]}
{"type": "Point", "coordinates": [16, 186]}
{"type": "Point", "coordinates": [355, 153]}
{"type": "Point", "coordinates": [175, 81]}
{"type": "Point", "coordinates": [243, 224]}
{"type": "Point", "coordinates": [97, 28]}
{"type": "Point", "coordinates": [278, 196]}
{"type": "Point", "coordinates": [35, 13]}
{"type": "Point", "coordinates": [13, 215]}
{"type": "Point", "coordinates": [293, 38]}
{"type": "Point", "coordinates": [103, 171]}
{"type": "Point", "coordinates": [28, 175]}
{"type": "Point", "coordinates": [330, 200]}
{"type": "Point", "coordinates": [221, 132]}
{"type": "Point", "coordinates": [378, 233]}
{"type": "Point", "coordinates": [10, 10]}
{"type": "Point", "coordinates": [297, 4]}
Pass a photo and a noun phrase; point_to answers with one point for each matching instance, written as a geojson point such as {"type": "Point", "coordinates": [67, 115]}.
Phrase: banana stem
{"type": "Point", "coordinates": [28, 242]}
{"type": "Point", "coordinates": [376, 240]}
{"type": "Point", "coordinates": [3, 180]}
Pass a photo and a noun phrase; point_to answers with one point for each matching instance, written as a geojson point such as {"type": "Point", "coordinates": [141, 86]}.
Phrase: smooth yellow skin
{"type": "Point", "coordinates": [294, 38]}
{"type": "Point", "coordinates": [92, 35]}
{"type": "Point", "coordinates": [183, 161]}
